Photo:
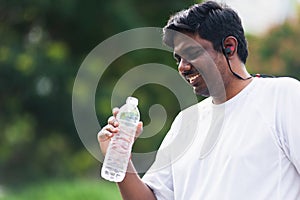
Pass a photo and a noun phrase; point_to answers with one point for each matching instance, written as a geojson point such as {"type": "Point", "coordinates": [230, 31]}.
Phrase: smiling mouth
{"type": "Point", "coordinates": [192, 78]}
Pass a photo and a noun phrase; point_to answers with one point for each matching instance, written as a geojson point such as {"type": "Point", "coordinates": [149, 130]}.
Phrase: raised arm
{"type": "Point", "coordinates": [132, 187]}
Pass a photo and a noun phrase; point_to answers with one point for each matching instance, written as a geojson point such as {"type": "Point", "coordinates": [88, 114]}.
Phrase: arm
{"type": "Point", "coordinates": [132, 187]}
{"type": "Point", "coordinates": [288, 120]}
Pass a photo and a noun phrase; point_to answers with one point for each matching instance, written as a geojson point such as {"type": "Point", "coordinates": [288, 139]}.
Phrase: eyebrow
{"type": "Point", "coordinates": [176, 56]}
{"type": "Point", "coordinates": [193, 49]}
{"type": "Point", "coordinates": [189, 52]}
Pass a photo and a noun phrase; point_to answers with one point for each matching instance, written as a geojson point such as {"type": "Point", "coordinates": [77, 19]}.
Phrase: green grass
{"type": "Point", "coordinates": [65, 190]}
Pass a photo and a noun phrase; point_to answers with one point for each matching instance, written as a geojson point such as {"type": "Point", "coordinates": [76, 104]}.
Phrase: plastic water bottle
{"type": "Point", "coordinates": [119, 149]}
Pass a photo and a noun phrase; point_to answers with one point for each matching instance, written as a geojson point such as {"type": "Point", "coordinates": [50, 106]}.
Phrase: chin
{"type": "Point", "coordinates": [201, 92]}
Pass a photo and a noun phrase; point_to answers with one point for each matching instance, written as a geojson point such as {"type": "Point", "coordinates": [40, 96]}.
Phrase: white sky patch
{"type": "Point", "coordinates": [259, 15]}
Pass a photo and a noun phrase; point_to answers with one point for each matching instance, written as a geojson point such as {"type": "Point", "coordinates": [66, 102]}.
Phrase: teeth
{"type": "Point", "coordinates": [192, 78]}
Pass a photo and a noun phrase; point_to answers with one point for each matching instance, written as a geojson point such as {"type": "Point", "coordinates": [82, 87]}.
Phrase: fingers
{"type": "Point", "coordinates": [139, 129]}
{"type": "Point", "coordinates": [115, 111]}
{"type": "Point", "coordinates": [104, 136]}
{"type": "Point", "coordinates": [107, 132]}
{"type": "Point", "coordinates": [112, 127]}
{"type": "Point", "coordinates": [113, 121]}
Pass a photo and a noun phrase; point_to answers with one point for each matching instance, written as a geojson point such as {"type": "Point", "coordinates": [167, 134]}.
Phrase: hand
{"type": "Point", "coordinates": [112, 128]}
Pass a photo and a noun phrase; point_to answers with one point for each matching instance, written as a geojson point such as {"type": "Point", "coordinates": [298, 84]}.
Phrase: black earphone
{"type": "Point", "coordinates": [227, 51]}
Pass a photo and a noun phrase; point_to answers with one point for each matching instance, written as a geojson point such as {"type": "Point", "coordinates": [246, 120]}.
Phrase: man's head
{"type": "Point", "coordinates": [211, 22]}
{"type": "Point", "coordinates": [209, 43]}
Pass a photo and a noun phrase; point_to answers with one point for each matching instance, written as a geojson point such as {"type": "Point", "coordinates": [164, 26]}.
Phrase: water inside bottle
{"type": "Point", "coordinates": [112, 174]}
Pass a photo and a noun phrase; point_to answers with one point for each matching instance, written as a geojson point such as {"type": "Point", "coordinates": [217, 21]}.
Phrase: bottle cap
{"type": "Point", "coordinates": [132, 100]}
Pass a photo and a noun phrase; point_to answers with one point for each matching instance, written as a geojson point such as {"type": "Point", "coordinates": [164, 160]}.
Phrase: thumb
{"type": "Point", "coordinates": [139, 129]}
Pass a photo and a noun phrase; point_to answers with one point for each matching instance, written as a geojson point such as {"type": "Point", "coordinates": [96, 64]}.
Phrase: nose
{"type": "Point", "coordinates": [184, 66]}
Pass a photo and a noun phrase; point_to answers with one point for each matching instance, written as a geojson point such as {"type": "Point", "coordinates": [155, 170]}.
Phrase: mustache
{"type": "Point", "coordinates": [189, 72]}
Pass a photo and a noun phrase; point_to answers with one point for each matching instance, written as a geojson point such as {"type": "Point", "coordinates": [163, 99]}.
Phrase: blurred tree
{"type": "Point", "coordinates": [276, 52]}
{"type": "Point", "coordinates": [42, 44]}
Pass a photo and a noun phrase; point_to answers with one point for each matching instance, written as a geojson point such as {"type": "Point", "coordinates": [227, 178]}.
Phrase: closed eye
{"type": "Point", "coordinates": [177, 58]}
{"type": "Point", "coordinates": [192, 53]}
{"type": "Point", "coordinates": [189, 53]}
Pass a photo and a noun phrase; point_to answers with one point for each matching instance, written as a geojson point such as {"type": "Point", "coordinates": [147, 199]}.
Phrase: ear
{"type": "Point", "coordinates": [230, 45]}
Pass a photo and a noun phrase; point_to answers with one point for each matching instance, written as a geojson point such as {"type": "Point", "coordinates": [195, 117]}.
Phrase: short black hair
{"type": "Point", "coordinates": [211, 21]}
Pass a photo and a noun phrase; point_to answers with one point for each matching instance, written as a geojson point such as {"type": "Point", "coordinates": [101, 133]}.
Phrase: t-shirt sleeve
{"type": "Point", "coordinates": [160, 182]}
{"type": "Point", "coordinates": [289, 120]}
{"type": "Point", "coordinates": [159, 177]}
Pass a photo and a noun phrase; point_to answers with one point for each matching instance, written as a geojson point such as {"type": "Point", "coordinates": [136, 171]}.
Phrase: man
{"type": "Point", "coordinates": [242, 142]}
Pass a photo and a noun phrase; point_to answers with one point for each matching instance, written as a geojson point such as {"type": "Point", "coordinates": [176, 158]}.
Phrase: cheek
{"type": "Point", "coordinates": [204, 64]}
{"type": "Point", "coordinates": [211, 67]}
{"type": "Point", "coordinates": [210, 64]}
{"type": "Point", "coordinates": [220, 63]}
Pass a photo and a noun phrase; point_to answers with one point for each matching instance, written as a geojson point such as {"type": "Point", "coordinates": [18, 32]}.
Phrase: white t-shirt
{"type": "Point", "coordinates": [245, 149]}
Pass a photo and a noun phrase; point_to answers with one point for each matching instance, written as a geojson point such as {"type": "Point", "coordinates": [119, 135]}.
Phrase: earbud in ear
{"type": "Point", "coordinates": [228, 50]}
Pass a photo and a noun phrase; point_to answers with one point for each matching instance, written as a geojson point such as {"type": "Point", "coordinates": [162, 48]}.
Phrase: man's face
{"type": "Point", "coordinates": [199, 64]}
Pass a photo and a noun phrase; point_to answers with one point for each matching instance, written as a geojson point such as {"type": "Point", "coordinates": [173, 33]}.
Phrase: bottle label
{"type": "Point", "coordinates": [129, 116]}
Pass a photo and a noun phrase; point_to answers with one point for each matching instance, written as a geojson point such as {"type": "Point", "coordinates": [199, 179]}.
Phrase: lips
{"type": "Point", "coordinates": [192, 79]}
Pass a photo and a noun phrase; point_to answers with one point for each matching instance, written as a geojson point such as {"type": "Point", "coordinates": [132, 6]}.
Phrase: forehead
{"type": "Point", "coordinates": [188, 40]}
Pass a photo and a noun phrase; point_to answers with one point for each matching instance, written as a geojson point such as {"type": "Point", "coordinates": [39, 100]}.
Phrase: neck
{"type": "Point", "coordinates": [234, 87]}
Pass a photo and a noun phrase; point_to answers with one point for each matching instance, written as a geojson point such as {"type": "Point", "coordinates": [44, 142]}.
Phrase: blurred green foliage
{"type": "Point", "coordinates": [277, 51]}
{"type": "Point", "coordinates": [62, 190]}
{"type": "Point", "coordinates": [42, 45]}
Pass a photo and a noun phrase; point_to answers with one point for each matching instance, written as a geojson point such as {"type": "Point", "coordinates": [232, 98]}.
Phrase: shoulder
{"type": "Point", "coordinates": [281, 85]}
{"type": "Point", "coordinates": [275, 94]}
{"type": "Point", "coordinates": [289, 83]}
{"type": "Point", "coordinates": [279, 82]}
